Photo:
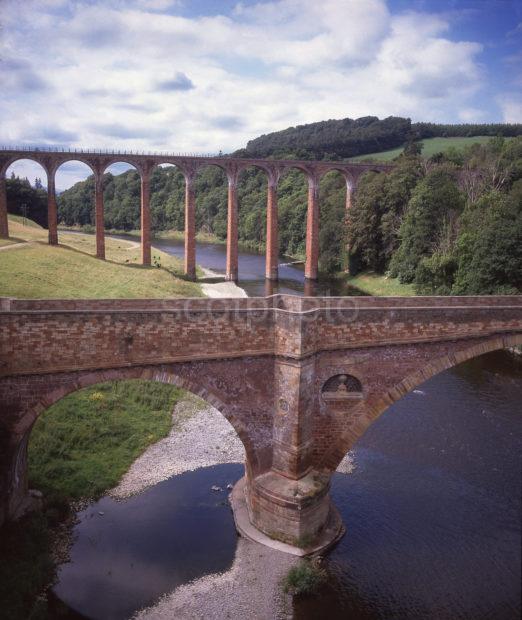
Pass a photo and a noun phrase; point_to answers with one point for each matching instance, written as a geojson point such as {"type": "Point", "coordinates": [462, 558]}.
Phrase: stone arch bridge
{"type": "Point", "coordinates": [99, 161]}
{"type": "Point", "coordinates": [300, 379]}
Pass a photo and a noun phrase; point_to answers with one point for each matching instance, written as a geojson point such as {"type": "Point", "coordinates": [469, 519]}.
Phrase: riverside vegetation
{"type": "Point", "coordinates": [79, 448]}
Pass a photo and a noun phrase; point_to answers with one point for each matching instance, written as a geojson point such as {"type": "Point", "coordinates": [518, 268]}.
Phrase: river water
{"type": "Point", "coordinates": [432, 510]}
{"type": "Point", "coordinates": [252, 270]}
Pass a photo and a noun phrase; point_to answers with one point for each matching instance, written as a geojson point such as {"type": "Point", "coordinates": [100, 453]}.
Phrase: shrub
{"type": "Point", "coordinates": [304, 579]}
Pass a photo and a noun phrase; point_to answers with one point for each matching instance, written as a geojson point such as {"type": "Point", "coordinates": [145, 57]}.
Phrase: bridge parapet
{"type": "Point", "coordinates": [50, 335]}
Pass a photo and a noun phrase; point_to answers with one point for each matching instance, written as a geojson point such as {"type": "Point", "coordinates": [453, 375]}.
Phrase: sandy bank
{"type": "Point", "coordinates": [223, 290]}
{"type": "Point", "coordinates": [250, 589]}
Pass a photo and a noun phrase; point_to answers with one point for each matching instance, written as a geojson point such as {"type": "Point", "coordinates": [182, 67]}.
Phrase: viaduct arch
{"type": "Point", "coordinates": [300, 379]}
{"type": "Point", "coordinates": [144, 163]}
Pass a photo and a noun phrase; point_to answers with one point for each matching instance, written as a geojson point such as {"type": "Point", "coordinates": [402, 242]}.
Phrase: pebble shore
{"type": "Point", "coordinates": [251, 588]}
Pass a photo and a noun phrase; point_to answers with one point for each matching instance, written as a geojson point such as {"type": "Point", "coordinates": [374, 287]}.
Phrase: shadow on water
{"type": "Point", "coordinates": [126, 554]}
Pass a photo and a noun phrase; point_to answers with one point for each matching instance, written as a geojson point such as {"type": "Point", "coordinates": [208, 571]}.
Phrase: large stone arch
{"type": "Point", "coordinates": [9, 162]}
{"type": "Point", "coordinates": [368, 411]}
{"type": "Point", "coordinates": [50, 389]}
{"type": "Point", "coordinates": [80, 380]}
{"type": "Point", "coordinates": [74, 157]}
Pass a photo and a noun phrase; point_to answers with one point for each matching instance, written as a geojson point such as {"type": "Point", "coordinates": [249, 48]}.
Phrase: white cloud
{"type": "Point", "coordinates": [511, 109]}
{"type": "Point", "coordinates": [124, 74]}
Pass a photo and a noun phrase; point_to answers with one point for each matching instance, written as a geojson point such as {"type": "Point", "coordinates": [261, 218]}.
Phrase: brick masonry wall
{"type": "Point", "coordinates": [227, 351]}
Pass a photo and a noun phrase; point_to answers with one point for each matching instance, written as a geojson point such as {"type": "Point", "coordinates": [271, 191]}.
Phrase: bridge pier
{"type": "Point", "coordinates": [290, 503]}
{"type": "Point", "coordinates": [99, 216]}
{"type": "Point", "coordinates": [145, 218]}
{"type": "Point", "coordinates": [312, 229]}
{"type": "Point", "coordinates": [52, 212]}
{"type": "Point", "coordinates": [232, 239]}
{"type": "Point", "coordinates": [272, 242]}
{"type": "Point", "coordinates": [190, 228]}
{"type": "Point", "coordinates": [4, 224]}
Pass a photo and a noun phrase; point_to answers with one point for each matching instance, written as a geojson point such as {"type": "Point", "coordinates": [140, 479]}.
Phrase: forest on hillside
{"type": "Point", "coordinates": [339, 139]}
{"type": "Point", "coordinates": [449, 225]}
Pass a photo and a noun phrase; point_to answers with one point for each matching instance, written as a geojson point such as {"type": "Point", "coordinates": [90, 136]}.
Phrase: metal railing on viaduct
{"type": "Point", "coordinates": [98, 161]}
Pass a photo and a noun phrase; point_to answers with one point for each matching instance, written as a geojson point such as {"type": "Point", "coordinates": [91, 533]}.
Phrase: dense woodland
{"type": "Point", "coordinates": [449, 224]}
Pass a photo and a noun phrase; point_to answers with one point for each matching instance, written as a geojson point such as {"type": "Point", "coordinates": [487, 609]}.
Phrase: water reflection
{"type": "Point", "coordinates": [128, 553]}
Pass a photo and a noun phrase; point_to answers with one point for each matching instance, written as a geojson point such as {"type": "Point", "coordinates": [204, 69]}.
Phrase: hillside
{"type": "Point", "coordinates": [430, 147]}
{"type": "Point", "coordinates": [340, 139]}
{"type": "Point", "coordinates": [32, 269]}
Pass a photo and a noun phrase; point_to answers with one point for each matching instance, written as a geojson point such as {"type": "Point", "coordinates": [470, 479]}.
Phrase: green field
{"type": "Point", "coordinates": [431, 146]}
{"type": "Point", "coordinates": [36, 270]}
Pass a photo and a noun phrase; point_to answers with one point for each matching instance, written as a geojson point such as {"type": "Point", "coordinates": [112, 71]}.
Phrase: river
{"type": "Point", "coordinates": [432, 509]}
{"type": "Point", "coordinates": [252, 270]}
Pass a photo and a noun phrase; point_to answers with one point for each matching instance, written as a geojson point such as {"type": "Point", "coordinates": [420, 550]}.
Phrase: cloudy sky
{"type": "Point", "coordinates": [208, 75]}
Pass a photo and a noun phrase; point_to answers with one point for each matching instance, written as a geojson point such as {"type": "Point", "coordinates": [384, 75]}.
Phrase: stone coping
{"type": "Point", "coordinates": [291, 304]}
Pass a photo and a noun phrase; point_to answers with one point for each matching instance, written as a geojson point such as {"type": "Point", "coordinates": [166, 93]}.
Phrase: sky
{"type": "Point", "coordinates": [202, 76]}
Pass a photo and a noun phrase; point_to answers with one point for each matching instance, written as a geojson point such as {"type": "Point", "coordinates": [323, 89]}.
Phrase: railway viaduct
{"type": "Point", "coordinates": [300, 379]}
{"type": "Point", "coordinates": [99, 161]}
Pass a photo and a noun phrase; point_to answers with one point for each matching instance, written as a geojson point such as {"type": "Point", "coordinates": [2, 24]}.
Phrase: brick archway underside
{"type": "Point", "coordinates": [380, 395]}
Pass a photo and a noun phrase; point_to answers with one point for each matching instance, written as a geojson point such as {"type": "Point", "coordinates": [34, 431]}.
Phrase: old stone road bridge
{"type": "Point", "coordinates": [300, 379]}
{"type": "Point", "coordinates": [99, 161]}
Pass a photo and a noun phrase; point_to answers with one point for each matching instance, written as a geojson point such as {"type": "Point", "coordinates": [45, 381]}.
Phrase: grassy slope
{"type": "Point", "coordinates": [431, 146]}
{"type": "Point", "coordinates": [380, 285]}
{"type": "Point", "coordinates": [82, 445]}
{"type": "Point", "coordinates": [70, 270]}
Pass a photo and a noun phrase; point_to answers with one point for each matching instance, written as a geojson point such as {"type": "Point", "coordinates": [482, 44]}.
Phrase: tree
{"type": "Point", "coordinates": [435, 201]}
{"type": "Point", "coordinates": [489, 250]}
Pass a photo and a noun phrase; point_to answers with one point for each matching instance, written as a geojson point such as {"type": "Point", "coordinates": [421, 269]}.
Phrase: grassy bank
{"type": "Point", "coordinates": [379, 285]}
{"type": "Point", "coordinates": [430, 147]}
{"type": "Point", "coordinates": [84, 443]}
{"type": "Point", "coordinates": [70, 270]}
{"type": "Point", "coordinates": [79, 448]}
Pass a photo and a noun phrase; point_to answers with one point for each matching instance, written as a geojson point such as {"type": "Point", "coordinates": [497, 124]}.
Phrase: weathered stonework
{"type": "Point", "coordinates": [300, 379]}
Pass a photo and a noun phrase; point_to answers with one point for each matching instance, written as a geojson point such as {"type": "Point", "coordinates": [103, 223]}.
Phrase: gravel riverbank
{"type": "Point", "coordinates": [223, 290]}
{"type": "Point", "coordinates": [201, 437]}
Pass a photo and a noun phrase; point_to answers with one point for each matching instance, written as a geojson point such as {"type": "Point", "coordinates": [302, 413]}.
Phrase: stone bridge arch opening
{"type": "Point", "coordinates": [368, 405]}
{"type": "Point", "coordinates": [252, 203]}
{"type": "Point", "coordinates": [66, 175]}
{"type": "Point", "coordinates": [335, 190]}
{"type": "Point", "coordinates": [89, 382]}
{"type": "Point", "coordinates": [292, 197]}
{"type": "Point", "coordinates": [22, 171]}
{"type": "Point", "coordinates": [207, 207]}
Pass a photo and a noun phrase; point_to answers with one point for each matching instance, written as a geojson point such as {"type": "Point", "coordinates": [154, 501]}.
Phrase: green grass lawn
{"type": "Point", "coordinates": [430, 147]}
{"type": "Point", "coordinates": [70, 270]}
{"type": "Point", "coordinates": [83, 444]}
{"type": "Point", "coordinates": [380, 285]}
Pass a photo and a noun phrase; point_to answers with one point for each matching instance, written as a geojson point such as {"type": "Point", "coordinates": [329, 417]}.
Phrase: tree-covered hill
{"type": "Point", "coordinates": [338, 139]}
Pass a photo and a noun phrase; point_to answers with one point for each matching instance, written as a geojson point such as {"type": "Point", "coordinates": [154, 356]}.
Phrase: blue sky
{"type": "Point", "coordinates": [204, 76]}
